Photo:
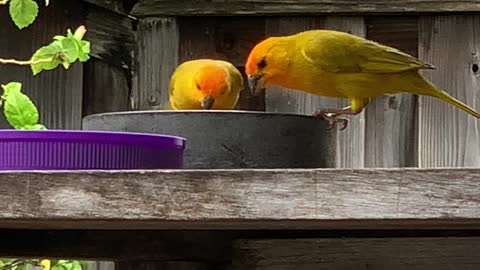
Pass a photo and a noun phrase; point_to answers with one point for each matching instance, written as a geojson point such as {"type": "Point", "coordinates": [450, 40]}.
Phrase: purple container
{"type": "Point", "coordinates": [88, 150]}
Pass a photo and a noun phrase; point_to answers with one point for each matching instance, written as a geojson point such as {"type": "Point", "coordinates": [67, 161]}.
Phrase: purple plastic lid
{"type": "Point", "coordinates": [79, 149]}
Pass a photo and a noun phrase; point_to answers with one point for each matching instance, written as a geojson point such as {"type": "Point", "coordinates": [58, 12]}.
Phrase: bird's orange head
{"type": "Point", "coordinates": [212, 82]}
{"type": "Point", "coordinates": [267, 62]}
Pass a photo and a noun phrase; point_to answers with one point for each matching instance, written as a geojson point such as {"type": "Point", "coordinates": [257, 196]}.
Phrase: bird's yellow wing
{"type": "Point", "coordinates": [341, 53]}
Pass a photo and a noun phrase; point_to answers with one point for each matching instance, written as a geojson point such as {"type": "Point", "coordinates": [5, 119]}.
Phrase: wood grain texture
{"type": "Point", "coordinates": [283, 7]}
{"type": "Point", "coordinates": [119, 6]}
{"type": "Point", "coordinates": [56, 93]}
{"type": "Point", "coordinates": [163, 265]}
{"type": "Point", "coordinates": [448, 136]}
{"type": "Point", "coordinates": [214, 247]}
{"type": "Point", "coordinates": [359, 254]}
{"type": "Point", "coordinates": [284, 100]}
{"type": "Point", "coordinates": [111, 36]}
{"type": "Point", "coordinates": [224, 38]}
{"type": "Point", "coordinates": [390, 123]}
{"type": "Point", "coordinates": [248, 199]}
{"type": "Point", "coordinates": [106, 88]}
{"type": "Point", "coordinates": [350, 144]}
{"type": "Point", "coordinates": [157, 58]}
{"type": "Point", "coordinates": [158, 245]}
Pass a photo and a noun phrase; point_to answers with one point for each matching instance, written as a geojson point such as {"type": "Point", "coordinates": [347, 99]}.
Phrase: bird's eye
{"type": "Point", "coordinates": [262, 63]}
{"type": "Point", "coordinates": [198, 86]}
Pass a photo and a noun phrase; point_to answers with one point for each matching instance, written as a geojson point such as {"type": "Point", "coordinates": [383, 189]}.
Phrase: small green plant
{"type": "Point", "coordinates": [20, 111]}
{"type": "Point", "coordinates": [39, 264]}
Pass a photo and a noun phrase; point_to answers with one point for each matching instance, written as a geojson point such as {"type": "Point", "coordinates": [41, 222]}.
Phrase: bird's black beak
{"type": "Point", "coordinates": [253, 84]}
{"type": "Point", "coordinates": [207, 103]}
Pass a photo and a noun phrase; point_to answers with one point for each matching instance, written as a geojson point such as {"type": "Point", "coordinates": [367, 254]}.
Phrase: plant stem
{"type": "Point", "coordinates": [24, 63]}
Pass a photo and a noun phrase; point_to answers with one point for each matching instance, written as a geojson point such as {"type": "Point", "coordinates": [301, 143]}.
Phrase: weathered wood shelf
{"type": "Point", "coordinates": [242, 199]}
{"type": "Point", "coordinates": [282, 7]}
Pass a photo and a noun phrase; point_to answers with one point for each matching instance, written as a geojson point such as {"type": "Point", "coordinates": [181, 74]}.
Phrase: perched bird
{"type": "Point", "coordinates": [337, 64]}
{"type": "Point", "coordinates": [205, 84]}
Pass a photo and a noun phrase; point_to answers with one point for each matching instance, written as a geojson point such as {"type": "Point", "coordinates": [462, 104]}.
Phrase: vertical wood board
{"type": "Point", "coordinates": [449, 137]}
{"type": "Point", "coordinates": [390, 127]}
{"type": "Point", "coordinates": [349, 146]}
{"type": "Point", "coordinates": [224, 38]}
{"type": "Point", "coordinates": [157, 58]}
{"type": "Point", "coordinates": [106, 88]}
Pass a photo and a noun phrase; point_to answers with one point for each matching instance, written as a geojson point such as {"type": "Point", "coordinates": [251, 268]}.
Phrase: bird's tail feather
{"type": "Point", "coordinates": [429, 89]}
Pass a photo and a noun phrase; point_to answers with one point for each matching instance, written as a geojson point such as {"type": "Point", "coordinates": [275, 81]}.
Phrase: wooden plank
{"type": "Point", "coordinates": [358, 253]}
{"type": "Point", "coordinates": [157, 57]}
{"type": "Point", "coordinates": [350, 143]}
{"type": "Point", "coordinates": [349, 147]}
{"type": "Point", "coordinates": [161, 245]}
{"type": "Point", "coordinates": [153, 265]}
{"type": "Point", "coordinates": [448, 136]}
{"type": "Point", "coordinates": [384, 148]}
{"type": "Point", "coordinates": [118, 6]}
{"type": "Point", "coordinates": [283, 7]}
{"type": "Point", "coordinates": [229, 39]}
{"type": "Point", "coordinates": [106, 88]}
{"type": "Point", "coordinates": [284, 100]}
{"type": "Point", "coordinates": [208, 246]}
{"type": "Point", "coordinates": [57, 93]}
{"type": "Point", "coordinates": [111, 36]}
{"type": "Point", "coordinates": [246, 199]}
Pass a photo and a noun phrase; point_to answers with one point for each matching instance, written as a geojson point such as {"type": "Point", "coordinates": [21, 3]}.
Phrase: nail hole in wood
{"type": "Point", "coordinates": [475, 68]}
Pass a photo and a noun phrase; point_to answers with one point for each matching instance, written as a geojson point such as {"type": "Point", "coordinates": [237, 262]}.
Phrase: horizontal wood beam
{"type": "Point", "coordinates": [190, 245]}
{"type": "Point", "coordinates": [241, 199]}
{"type": "Point", "coordinates": [360, 253]}
{"type": "Point", "coordinates": [285, 7]}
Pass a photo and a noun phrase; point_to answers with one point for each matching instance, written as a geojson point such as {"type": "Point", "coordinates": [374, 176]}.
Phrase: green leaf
{"type": "Point", "coordinates": [9, 87]}
{"type": "Point", "coordinates": [20, 110]}
{"type": "Point", "coordinates": [23, 12]}
{"type": "Point", "coordinates": [46, 57]}
{"type": "Point", "coordinates": [34, 127]}
{"type": "Point", "coordinates": [64, 50]}
{"type": "Point", "coordinates": [69, 50]}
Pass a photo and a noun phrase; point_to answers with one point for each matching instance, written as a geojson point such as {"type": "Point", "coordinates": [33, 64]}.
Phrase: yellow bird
{"type": "Point", "coordinates": [205, 84]}
{"type": "Point", "coordinates": [337, 64]}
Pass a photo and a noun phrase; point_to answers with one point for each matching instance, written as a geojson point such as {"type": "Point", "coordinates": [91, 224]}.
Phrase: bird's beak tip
{"type": "Point", "coordinates": [252, 83]}
{"type": "Point", "coordinates": [207, 103]}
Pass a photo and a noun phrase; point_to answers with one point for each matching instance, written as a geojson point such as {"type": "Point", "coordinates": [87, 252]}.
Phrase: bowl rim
{"type": "Point", "coordinates": [94, 135]}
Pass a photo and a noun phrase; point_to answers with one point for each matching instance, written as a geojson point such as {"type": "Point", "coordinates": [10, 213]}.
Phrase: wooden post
{"type": "Point", "coordinates": [448, 136]}
{"type": "Point", "coordinates": [349, 147]}
{"type": "Point", "coordinates": [390, 127]}
{"type": "Point", "coordinates": [157, 58]}
{"type": "Point", "coordinates": [108, 74]}
{"type": "Point", "coordinates": [229, 39]}
{"type": "Point", "coordinates": [350, 143]}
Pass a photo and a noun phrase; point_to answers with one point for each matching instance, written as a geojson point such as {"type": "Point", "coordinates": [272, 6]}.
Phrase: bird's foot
{"type": "Point", "coordinates": [332, 119]}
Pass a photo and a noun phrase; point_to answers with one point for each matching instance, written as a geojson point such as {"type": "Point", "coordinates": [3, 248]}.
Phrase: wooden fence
{"type": "Point", "coordinates": [137, 45]}
{"type": "Point", "coordinates": [133, 58]}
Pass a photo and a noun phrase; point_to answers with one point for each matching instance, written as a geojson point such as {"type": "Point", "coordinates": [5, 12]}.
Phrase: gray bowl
{"type": "Point", "coordinates": [232, 139]}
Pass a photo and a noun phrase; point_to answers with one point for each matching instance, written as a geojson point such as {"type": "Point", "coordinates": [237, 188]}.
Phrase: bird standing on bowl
{"type": "Point", "coordinates": [337, 64]}
{"type": "Point", "coordinates": [205, 84]}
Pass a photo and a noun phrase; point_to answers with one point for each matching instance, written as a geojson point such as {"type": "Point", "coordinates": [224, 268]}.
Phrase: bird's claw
{"type": "Point", "coordinates": [332, 119]}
